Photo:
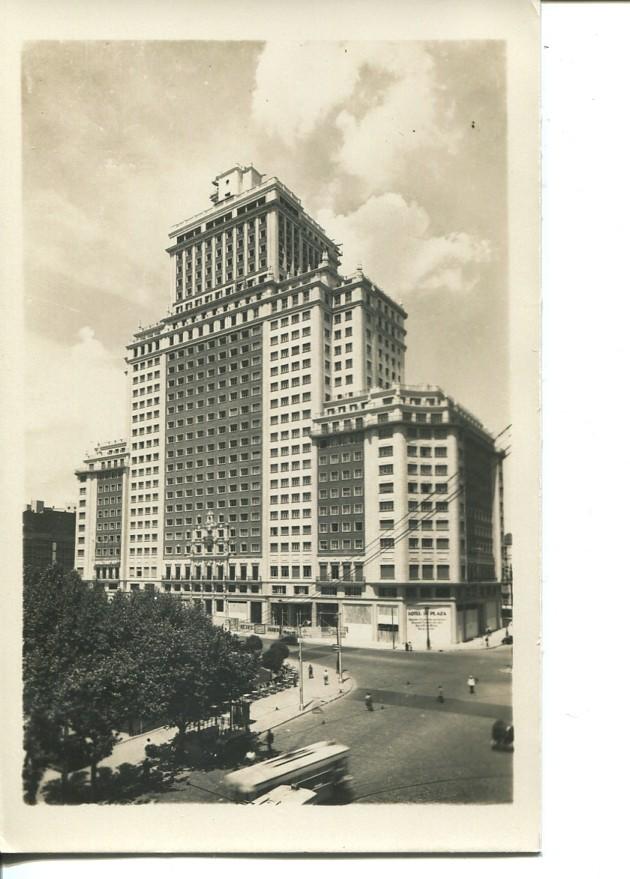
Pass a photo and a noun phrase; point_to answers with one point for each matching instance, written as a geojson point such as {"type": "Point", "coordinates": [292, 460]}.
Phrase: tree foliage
{"type": "Point", "coordinates": [91, 664]}
{"type": "Point", "coordinates": [253, 643]}
{"type": "Point", "coordinates": [274, 656]}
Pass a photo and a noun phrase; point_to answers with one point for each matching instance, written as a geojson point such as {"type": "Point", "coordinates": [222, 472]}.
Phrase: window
{"type": "Point", "coordinates": [443, 572]}
{"type": "Point", "coordinates": [386, 451]}
{"type": "Point", "coordinates": [388, 572]}
{"type": "Point", "coordinates": [413, 572]}
{"type": "Point", "coordinates": [387, 542]}
{"type": "Point", "coordinates": [427, 572]}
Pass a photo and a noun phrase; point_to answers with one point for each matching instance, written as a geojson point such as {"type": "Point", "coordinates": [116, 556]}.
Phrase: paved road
{"type": "Point", "coordinates": [410, 748]}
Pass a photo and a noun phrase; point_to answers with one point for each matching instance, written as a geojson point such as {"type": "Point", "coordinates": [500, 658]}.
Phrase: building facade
{"type": "Point", "coordinates": [101, 522]}
{"type": "Point", "coordinates": [276, 464]}
{"type": "Point", "coordinates": [48, 536]}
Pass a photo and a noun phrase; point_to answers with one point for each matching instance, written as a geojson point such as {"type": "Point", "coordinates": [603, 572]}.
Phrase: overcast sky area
{"type": "Point", "coordinates": [397, 150]}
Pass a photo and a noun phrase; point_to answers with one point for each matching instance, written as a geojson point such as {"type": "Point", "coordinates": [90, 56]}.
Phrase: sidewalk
{"type": "Point", "coordinates": [495, 639]}
{"type": "Point", "coordinates": [281, 707]}
{"type": "Point", "coordinates": [266, 713]}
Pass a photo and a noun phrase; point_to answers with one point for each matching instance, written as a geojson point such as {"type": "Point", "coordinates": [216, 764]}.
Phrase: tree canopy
{"type": "Point", "coordinates": [92, 662]}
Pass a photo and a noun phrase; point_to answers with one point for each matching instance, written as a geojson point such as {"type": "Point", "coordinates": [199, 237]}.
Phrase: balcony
{"type": "Point", "coordinates": [340, 581]}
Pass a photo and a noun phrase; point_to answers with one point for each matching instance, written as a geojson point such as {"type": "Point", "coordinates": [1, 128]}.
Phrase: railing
{"type": "Point", "coordinates": [339, 582]}
{"type": "Point", "coordinates": [220, 586]}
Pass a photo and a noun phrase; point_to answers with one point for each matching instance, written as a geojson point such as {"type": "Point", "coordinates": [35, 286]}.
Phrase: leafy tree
{"type": "Point", "coordinates": [90, 663]}
{"type": "Point", "coordinates": [206, 667]}
{"type": "Point", "coordinates": [71, 700]}
{"type": "Point", "coordinates": [253, 644]}
{"type": "Point", "coordinates": [274, 656]}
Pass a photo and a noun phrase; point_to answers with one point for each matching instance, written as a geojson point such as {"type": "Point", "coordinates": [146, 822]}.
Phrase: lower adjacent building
{"type": "Point", "coordinates": [408, 525]}
{"type": "Point", "coordinates": [101, 523]}
{"type": "Point", "coordinates": [48, 536]}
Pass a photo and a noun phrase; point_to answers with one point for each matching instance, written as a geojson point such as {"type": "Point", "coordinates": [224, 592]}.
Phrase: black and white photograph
{"type": "Point", "coordinates": [280, 437]}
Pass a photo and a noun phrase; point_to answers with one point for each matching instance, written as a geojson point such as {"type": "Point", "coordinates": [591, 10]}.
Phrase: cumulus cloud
{"type": "Point", "coordinates": [63, 240]}
{"type": "Point", "coordinates": [382, 99]}
{"type": "Point", "coordinates": [298, 84]}
{"type": "Point", "coordinates": [391, 239]}
{"type": "Point", "coordinates": [75, 396]}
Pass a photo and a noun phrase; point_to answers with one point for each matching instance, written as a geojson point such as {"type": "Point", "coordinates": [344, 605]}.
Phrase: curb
{"type": "Point", "coordinates": [310, 710]}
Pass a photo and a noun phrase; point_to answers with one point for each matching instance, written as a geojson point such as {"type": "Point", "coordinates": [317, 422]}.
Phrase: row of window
{"type": "Point", "coordinates": [427, 572]}
{"type": "Point", "coordinates": [335, 475]}
{"type": "Point", "coordinates": [274, 515]}
{"type": "Point", "coordinates": [345, 544]}
{"type": "Point", "coordinates": [246, 548]}
{"type": "Point", "coordinates": [293, 416]}
{"type": "Point", "coordinates": [295, 546]}
{"type": "Point", "coordinates": [343, 509]}
{"type": "Point", "coordinates": [345, 491]}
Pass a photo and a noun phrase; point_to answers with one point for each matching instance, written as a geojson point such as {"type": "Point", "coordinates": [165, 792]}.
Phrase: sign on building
{"type": "Point", "coordinates": [438, 621]}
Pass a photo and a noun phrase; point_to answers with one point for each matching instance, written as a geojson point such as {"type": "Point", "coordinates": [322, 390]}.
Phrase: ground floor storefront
{"type": "Point", "coordinates": [401, 622]}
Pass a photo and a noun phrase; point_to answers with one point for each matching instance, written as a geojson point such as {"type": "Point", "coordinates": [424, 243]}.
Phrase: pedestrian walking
{"type": "Point", "coordinates": [487, 640]}
{"type": "Point", "coordinates": [368, 702]}
{"type": "Point", "coordinates": [472, 680]}
{"type": "Point", "coordinates": [440, 695]}
{"type": "Point", "coordinates": [406, 646]}
{"type": "Point", "coordinates": [325, 677]}
{"type": "Point", "coordinates": [310, 672]}
{"type": "Point", "coordinates": [269, 741]}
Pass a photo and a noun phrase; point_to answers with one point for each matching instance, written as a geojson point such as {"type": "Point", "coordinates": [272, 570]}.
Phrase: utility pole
{"type": "Point", "coordinates": [426, 612]}
{"type": "Point", "coordinates": [393, 630]}
{"type": "Point", "coordinates": [299, 623]}
{"type": "Point", "coordinates": [339, 665]}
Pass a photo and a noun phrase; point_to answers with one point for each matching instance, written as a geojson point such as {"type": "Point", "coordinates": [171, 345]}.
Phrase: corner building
{"type": "Point", "coordinates": [266, 356]}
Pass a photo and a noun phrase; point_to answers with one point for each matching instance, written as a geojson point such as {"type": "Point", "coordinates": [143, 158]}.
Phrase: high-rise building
{"type": "Point", "coordinates": [48, 536]}
{"type": "Point", "coordinates": [262, 410]}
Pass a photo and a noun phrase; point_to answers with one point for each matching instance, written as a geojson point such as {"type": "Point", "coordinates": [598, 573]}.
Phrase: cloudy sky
{"type": "Point", "coordinates": [398, 150]}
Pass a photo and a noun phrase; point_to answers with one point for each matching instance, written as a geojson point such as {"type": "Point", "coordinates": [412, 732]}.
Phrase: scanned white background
{"type": "Point", "coordinates": [403, 828]}
{"type": "Point", "coordinates": [585, 72]}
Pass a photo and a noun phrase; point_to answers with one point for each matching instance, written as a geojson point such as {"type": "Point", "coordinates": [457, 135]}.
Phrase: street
{"type": "Point", "coordinates": [411, 748]}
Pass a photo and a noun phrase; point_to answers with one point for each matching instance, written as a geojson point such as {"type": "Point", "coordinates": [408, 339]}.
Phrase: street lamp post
{"type": "Point", "coordinates": [339, 661]}
{"type": "Point", "coordinates": [281, 617]}
{"type": "Point", "coordinates": [301, 673]}
{"type": "Point", "coordinates": [426, 616]}
{"type": "Point", "coordinates": [393, 630]}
